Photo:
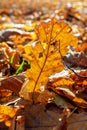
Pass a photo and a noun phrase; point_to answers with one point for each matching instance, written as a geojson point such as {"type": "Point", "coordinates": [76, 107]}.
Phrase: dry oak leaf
{"type": "Point", "coordinates": [13, 83]}
{"type": "Point", "coordinates": [44, 56]}
{"type": "Point", "coordinates": [62, 86]}
{"type": "Point", "coordinates": [40, 117]}
{"type": "Point", "coordinates": [77, 121]}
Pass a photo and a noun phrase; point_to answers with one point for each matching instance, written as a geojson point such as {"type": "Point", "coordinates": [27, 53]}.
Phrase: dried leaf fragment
{"type": "Point", "coordinates": [13, 83]}
{"type": "Point", "coordinates": [6, 113]}
{"type": "Point", "coordinates": [61, 81]}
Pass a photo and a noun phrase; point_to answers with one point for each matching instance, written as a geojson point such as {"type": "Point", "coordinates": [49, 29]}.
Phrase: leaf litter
{"type": "Point", "coordinates": [33, 48]}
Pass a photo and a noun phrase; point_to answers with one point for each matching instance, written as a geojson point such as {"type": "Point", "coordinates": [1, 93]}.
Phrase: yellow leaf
{"type": "Point", "coordinates": [6, 112]}
{"type": "Point", "coordinates": [44, 56]}
{"type": "Point", "coordinates": [53, 31]}
{"type": "Point", "coordinates": [80, 102]}
{"type": "Point", "coordinates": [60, 82]}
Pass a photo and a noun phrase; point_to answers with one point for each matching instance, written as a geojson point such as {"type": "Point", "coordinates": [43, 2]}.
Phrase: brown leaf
{"type": "Point", "coordinates": [78, 58]}
{"type": "Point", "coordinates": [13, 83]}
{"type": "Point", "coordinates": [80, 83]}
{"type": "Point", "coordinates": [38, 116]}
{"type": "Point", "coordinates": [7, 33]}
{"type": "Point", "coordinates": [67, 92]}
{"type": "Point", "coordinates": [5, 93]}
{"type": "Point", "coordinates": [77, 121]}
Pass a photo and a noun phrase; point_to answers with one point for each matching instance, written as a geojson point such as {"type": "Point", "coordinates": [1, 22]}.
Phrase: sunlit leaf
{"type": "Point", "coordinates": [44, 56]}
{"type": "Point", "coordinates": [7, 112]}
{"type": "Point", "coordinates": [61, 81]}
{"type": "Point", "coordinates": [56, 31]}
{"type": "Point", "coordinates": [80, 102]}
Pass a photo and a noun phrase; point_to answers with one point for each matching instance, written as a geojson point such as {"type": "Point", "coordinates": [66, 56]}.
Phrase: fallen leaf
{"type": "Point", "coordinates": [76, 59]}
{"type": "Point", "coordinates": [80, 83]}
{"type": "Point", "coordinates": [77, 121]}
{"type": "Point", "coordinates": [61, 81]}
{"type": "Point", "coordinates": [53, 31]}
{"type": "Point", "coordinates": [5, 95]}
{"type": "Point", "coordinates": [16, 33]}
{"type": "Point", "coordinates": [6, 113]}
{"type": "Point", "coordinates": [82, 47]}
{"type": "Point", "coordinates": [68, 93]}
{"type": "Point", "coordinates": [13, 83]}
{"type": "Point", "coordinates": [80, 102]}
{"type": "Point", "coordinates": [38, 117]}
{"type": "Point", "coordinates": [44, 56]}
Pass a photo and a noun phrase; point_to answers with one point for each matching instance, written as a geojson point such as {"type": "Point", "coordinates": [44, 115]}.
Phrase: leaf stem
{"type": "Point", "coordinates": [43, 63]}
